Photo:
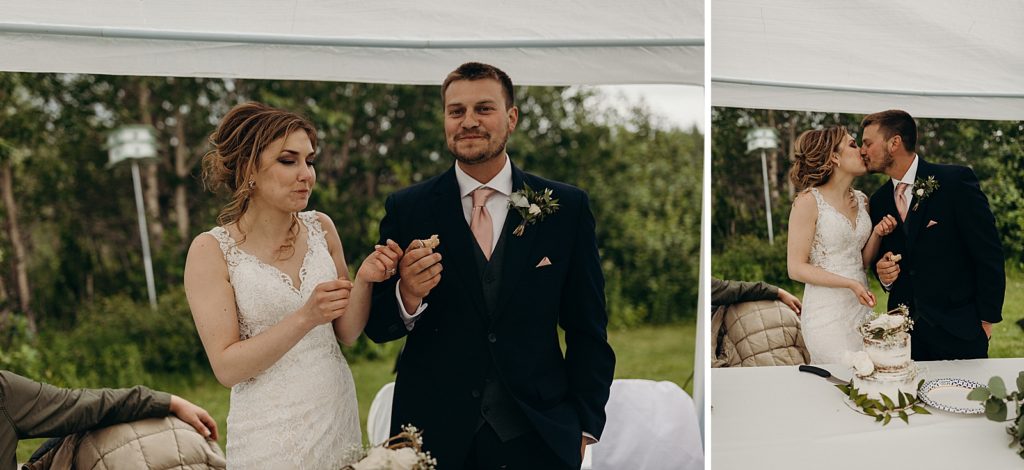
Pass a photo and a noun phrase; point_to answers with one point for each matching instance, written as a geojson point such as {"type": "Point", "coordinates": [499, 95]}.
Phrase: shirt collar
{"type": "Point", "coordinates": [502, 182]}
{"type": "Point", "coordinates": [910, 175]}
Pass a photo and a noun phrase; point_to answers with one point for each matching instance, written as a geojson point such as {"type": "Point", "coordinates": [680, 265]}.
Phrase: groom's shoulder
{"type": "Point", "coordinates": [565, 192]}
{"type": "Point", "coordinates": [417, 190]}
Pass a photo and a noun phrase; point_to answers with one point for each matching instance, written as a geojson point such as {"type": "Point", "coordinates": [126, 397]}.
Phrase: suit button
{"type": "Point", "coordinates": [475, 393]}
{"type": "Point", "coordinates": [492, 338]}
{"type": "Point", "coordinates": [485, 409]}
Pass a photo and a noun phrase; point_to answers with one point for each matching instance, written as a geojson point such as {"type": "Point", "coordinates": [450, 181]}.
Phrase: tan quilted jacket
{"type": "Point", "coordinates": [761, 333]}
{"type": "Point", "coordinates": [154, 444]}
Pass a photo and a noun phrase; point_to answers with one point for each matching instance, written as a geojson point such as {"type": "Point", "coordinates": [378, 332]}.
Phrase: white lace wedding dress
{"type": "Point", "coordinates": [300, 413]}
{"type": "Point", "coordinates": [831, 315]}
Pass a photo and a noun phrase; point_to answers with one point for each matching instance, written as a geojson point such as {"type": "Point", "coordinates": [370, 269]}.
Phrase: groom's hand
{"type": "Point", "coordinates": [887, 269]}
{"type": "Point", "coordinates": [420, 271]}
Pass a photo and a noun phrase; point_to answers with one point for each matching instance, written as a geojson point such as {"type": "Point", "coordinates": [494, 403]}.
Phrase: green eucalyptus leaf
{"type": "Point", "coordinates": [902, 400]}
{"type": "Point", "coordinates": [888, 402]}
{"type": "Point", "coordinates": [886, 419]}
{"type": "Point", "coordinates": [995, 409]}
{"type": "Point", "coordinates": [1020, 382]}
{"type": "Point", "coordinates": [878, 417]}
{"type": "Point", "coordinates": [997, 387]}
{"type": "Point", "coordinates": [903, 416]}
{"type": "Point", "coordinates": [979, 394]}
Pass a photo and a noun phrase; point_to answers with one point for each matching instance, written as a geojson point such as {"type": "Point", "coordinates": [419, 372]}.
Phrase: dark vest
{"type": "Point", "coordinates": [497, 406]}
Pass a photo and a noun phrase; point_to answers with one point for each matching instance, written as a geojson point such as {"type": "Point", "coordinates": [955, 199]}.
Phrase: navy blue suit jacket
{"type": "Point", "coordinates": [442, 369]}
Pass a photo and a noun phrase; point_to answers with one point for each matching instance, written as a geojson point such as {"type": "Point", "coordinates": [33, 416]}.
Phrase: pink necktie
{"type": "Point", "coordinates": [901, 200]}
{"type": "Point", "coordinates": [480, 220]}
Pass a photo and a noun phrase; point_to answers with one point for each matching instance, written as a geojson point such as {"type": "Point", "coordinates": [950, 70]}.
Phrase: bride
{"type": "Point", "coordinates": [831, 242]}
{"type": "Point", "coordinates": [270, 296]}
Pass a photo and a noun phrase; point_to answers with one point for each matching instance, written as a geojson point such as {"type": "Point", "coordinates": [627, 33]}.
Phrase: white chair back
{"type": "Point", "coordinates": [378, 422]}
{"type": "Point", "coordinates": [651, 426]}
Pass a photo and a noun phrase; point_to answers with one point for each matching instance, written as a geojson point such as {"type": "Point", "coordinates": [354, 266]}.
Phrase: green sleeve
{"type": "Point", "coordinates": [731, 292]}
{"type": "Point", "coordinates": [40, 410]}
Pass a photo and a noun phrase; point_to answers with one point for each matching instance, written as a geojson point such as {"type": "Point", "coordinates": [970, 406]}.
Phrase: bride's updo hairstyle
{"type": "Point", "coordinates": [813, 165]}
{"type": "Point", "coordinates": [242, 135]}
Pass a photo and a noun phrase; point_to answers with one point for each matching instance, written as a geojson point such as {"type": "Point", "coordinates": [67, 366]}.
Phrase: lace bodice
{"type": "Point", "coordinates": [831, 315]}
{"type": "Point", "coordinates": [301, 412]}
{"type": "Point", "coordinates": [837, 243]}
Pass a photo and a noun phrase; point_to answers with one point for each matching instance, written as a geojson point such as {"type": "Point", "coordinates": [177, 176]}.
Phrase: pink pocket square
{"type": "Point", "coordinates": [932, 223]}
{"type": "Point", "coordinates": [543, 262]}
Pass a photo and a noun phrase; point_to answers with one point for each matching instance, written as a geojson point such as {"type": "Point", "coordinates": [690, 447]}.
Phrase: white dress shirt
{"type": "Point", "coordinates": [497, 206]}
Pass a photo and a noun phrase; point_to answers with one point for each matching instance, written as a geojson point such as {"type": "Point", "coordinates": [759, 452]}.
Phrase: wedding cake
{"type": "Point", "coordinates": [885, 367]}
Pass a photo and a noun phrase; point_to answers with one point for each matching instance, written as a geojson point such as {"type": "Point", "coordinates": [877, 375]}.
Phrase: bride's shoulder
{"type": "Point", "coordinates": [805, 202]}
{"type": "Point", "coordinates": [806, 197]}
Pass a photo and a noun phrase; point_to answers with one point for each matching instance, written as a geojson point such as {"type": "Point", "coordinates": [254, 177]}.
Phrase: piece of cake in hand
{"type": "Point", "coordinates": [432, 242]}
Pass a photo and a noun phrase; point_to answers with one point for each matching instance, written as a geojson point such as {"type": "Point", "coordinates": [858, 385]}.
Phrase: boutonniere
{"type": "Point", "coordinates": [532, 206]}
{"type": "Point", "coordinates": [923, 189]}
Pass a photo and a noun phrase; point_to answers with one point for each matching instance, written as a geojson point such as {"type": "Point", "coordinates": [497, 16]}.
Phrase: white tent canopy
{"type": "Point", "coordinates": [407, 41]}
{"type": "Point", "coordinates": [933, 58]}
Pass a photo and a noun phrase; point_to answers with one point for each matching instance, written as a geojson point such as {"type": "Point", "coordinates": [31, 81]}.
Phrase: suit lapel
{"type": "Point", "coordinates": [915, 218]}
{"type": "Point", "coordinates": [517, 248]}
{"type": "Point", "coordinates": [457, 243]}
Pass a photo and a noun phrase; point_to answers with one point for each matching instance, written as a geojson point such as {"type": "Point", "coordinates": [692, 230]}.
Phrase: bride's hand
{"type": "Point", "coordinates": [885, 226]}
{"type": "Point", "coordinates": [864, 296]}
{"type": "Point", "coordinates": [381, 264]}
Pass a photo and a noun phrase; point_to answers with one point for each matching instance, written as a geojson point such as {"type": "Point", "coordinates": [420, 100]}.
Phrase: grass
{"type": "Point", "coordinates": [663, 352]}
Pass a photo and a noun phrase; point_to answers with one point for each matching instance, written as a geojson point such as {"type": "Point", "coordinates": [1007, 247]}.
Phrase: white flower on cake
{"type": "Point", "coordinates": [860, 362]}
{"type": "Point", "coordinates": [887, 322]}
{"type": "Point", "coordinates": [888, 326]}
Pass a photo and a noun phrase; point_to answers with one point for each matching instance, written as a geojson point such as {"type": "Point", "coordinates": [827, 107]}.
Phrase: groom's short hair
{"type": "Point", "coordinates": [894, 122]}
{"type": "Point", "coordinates": [478, 71]}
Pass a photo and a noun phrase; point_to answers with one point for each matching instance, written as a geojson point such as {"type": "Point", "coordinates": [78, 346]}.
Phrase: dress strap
{"type": "Point", "coordinates": [227, 245]}
{"type": "Point", "coordinates": [818, 198]}
{"type": "Point", "coordinates": [317, 234]}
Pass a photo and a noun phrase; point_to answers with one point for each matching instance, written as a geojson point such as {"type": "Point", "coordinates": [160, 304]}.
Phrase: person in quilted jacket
{"type": "Point", "coordinates": [747, 331]}
{"type": "Point", "coordinates": [30, 409]}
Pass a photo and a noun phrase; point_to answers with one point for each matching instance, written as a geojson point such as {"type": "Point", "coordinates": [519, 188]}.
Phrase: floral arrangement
{"type": "Point", "coordinates": [923, 189]}
{"type": "Point", "coordinates": [888, 326]}
{"type": "Point", "coordinates": [532, 206]}
{"type": "Point", "coordinates": [403, 451]}
{"type": "Point", "coordinates": [996, 398]}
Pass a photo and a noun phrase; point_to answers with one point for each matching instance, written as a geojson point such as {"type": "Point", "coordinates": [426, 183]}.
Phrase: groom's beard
{"type": "Point", "coordinates": [887, 162]}
{"type": "Point", "coordinates": [482, 156]}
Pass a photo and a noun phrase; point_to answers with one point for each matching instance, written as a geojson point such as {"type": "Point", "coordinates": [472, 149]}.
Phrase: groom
{"type": "Point", "coordinates": [482, 373]}
{"type": "Point", "coordinates": [951, 272]}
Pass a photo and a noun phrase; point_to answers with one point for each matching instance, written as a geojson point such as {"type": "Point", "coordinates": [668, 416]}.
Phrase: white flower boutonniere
{"type": "Point", "coordinates": [532, 206]}
{"type": "Point", "coordinates": [923, 189]}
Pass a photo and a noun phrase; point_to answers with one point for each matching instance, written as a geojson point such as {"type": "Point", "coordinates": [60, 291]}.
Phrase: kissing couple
{"type": "Point", "coordinates": [927, 234]}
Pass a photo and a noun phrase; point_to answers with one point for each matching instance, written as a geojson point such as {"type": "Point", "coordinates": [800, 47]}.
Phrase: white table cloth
{"type": "Point", "coordinates": [780, 418]}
